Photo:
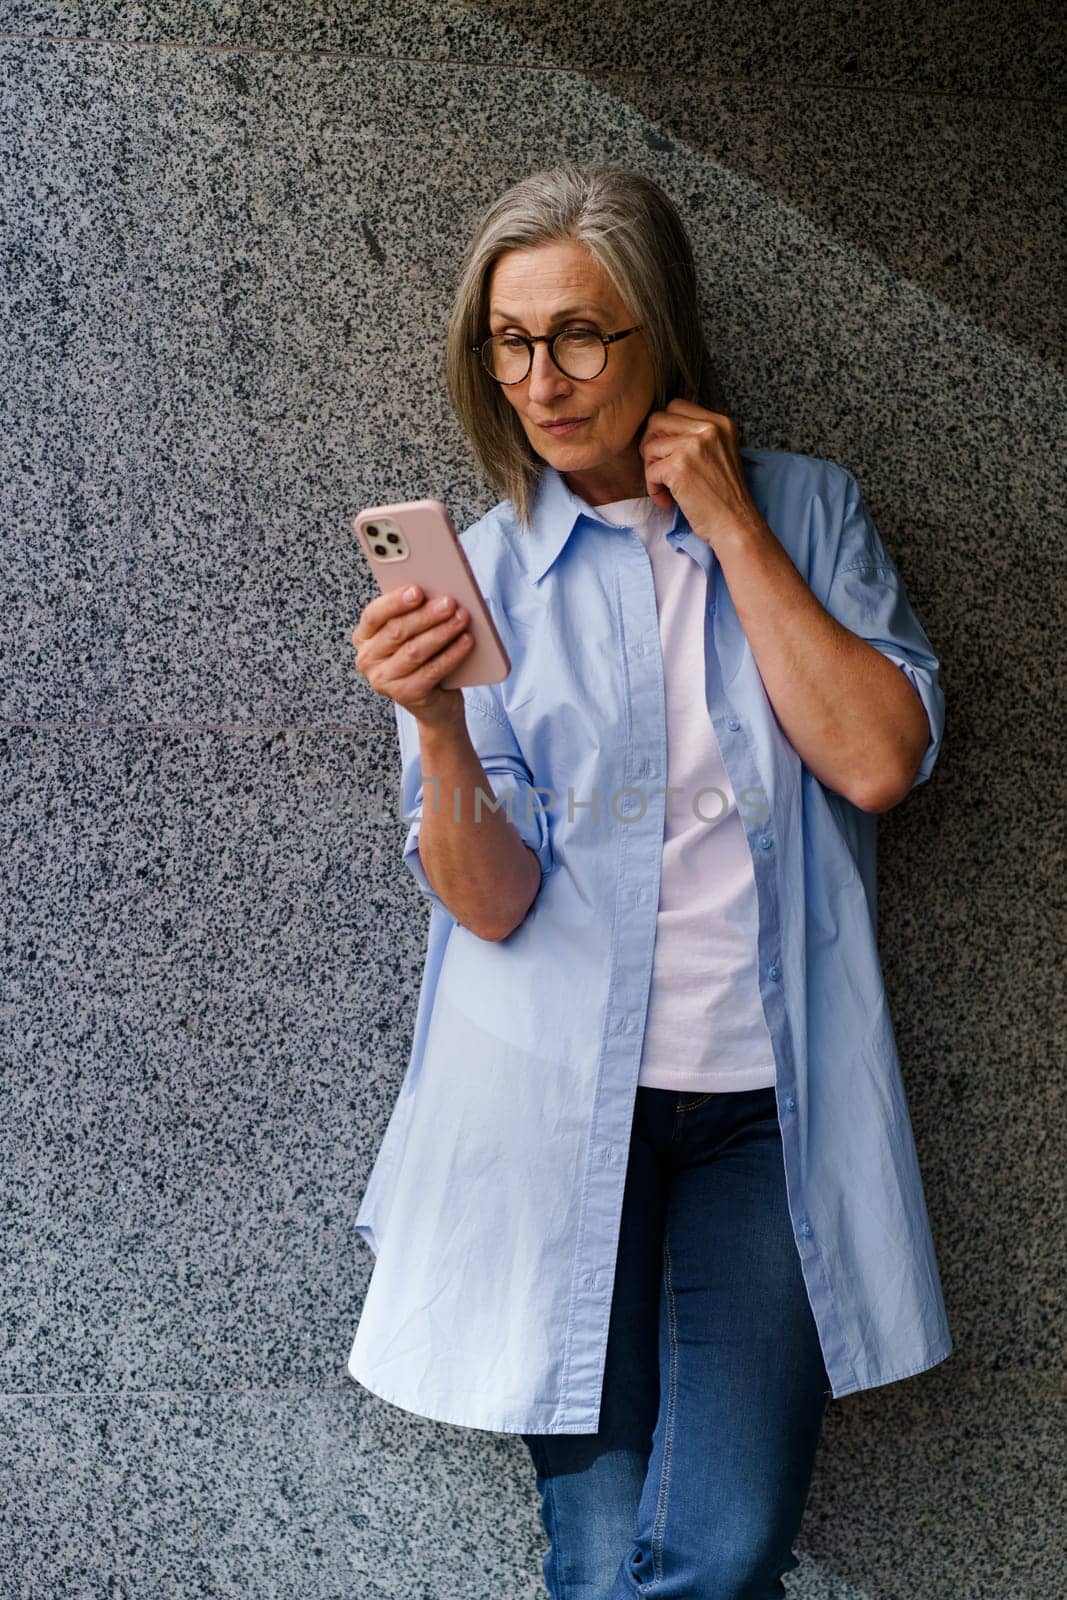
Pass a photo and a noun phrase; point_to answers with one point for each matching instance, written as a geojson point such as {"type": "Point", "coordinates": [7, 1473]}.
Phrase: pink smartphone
{"type": "Point", "coordinates": [415, 542]}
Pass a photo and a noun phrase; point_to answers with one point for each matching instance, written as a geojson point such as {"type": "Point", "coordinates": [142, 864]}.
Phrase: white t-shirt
{"type": "Point", "coordinates": [705, 1029]}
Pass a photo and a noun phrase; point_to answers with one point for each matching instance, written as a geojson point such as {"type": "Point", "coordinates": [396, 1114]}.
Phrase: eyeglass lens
{"type": "Point", "coordinates": [581, 354]}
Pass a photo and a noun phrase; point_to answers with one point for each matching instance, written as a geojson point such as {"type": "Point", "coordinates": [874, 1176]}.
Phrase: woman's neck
{"type": "Point", "coordinates": [621, 477]}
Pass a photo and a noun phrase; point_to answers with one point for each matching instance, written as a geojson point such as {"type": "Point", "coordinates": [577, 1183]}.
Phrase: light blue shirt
{"type": "Point", "coordinates": [493, 1206]}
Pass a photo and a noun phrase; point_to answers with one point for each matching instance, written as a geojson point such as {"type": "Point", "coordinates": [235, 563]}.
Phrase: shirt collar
{"type": "Point", "coordinates": [557, 511]}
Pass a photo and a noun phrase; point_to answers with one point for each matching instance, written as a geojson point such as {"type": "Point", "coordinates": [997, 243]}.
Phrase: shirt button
{"type": "Point", "coordinates": [790, 1103]}
{"type": "Point", "coordinates": [774, 971]}
{"type": "Point", "coordinates": [765, 843]}
{"type": "Point", "coordinates": [638, 649]}
{"type": "Point", "coordinates": [805, 1229]}
{"type": "Point", "coordinates": [733, 724]}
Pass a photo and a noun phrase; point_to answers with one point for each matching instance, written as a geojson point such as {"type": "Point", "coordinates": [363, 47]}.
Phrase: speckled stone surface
{"type": "Point", "coordinates": [229, 289]}
{"type": "Point", "coordinates": [922, 1491]}
{"type": "Point", "coordinates": [229, 235]}
{"type": "Point", "coordinates": [963, 46]}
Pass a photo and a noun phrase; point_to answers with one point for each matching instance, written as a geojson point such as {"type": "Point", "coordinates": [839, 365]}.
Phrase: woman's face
{"type": "Point", "coordinates": [559, 285]}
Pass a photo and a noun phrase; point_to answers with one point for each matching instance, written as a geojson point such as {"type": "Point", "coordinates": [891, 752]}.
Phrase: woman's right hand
{"type": "Point", "coordinates": [405, 647]}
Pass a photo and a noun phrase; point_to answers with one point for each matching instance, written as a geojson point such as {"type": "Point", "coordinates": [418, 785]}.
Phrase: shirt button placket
{"type": "Point", "coordinates": [611, 1144]}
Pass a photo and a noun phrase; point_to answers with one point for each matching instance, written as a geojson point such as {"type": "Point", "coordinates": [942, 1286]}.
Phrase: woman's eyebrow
{"type": "Point", "coordinates": [571, 311]}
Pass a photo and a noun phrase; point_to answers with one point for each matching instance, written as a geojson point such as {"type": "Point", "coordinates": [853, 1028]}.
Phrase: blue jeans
{"type": "Point", "coordinates": [714, 1383]}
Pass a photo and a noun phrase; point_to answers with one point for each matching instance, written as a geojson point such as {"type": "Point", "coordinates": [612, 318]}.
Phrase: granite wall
{"type": "Point", "coordinates": [228, 239]}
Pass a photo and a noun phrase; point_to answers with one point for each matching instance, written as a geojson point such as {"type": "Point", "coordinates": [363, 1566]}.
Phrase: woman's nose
{"type": "Point", "coordinates": [544, 374]}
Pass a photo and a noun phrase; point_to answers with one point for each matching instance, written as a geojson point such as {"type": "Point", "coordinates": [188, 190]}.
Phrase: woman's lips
{"type": "Point", "coordinates": [563, 427]}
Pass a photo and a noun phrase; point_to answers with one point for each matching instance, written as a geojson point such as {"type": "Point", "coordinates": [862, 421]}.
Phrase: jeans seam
{"type": "Point", "coordinates": [668, 1426]}
{"type": "Point", "coordinates": [687, 1105]}
{"type": "Point", "coordinates": [555, 1554]}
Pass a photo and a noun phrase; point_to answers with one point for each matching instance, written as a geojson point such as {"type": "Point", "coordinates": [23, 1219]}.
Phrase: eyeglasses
{"type": "Point", "coordinates": [579, 353]}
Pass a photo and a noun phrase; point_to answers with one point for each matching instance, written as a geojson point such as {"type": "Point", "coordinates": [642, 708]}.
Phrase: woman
{"type": "Point", "coordinates": [649, 1193]}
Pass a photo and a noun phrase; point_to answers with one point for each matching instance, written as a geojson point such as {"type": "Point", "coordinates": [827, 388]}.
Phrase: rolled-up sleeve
{"type": "Point", "coordinates": [867, 596]}
{"type": "Point", "coordinates": [510, 780]}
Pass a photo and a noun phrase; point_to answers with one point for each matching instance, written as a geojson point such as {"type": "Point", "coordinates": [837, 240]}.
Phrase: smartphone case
{"type": "Point", "coordinates": [437, 561]}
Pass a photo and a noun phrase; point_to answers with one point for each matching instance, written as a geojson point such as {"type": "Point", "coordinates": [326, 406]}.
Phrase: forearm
{"type": "Point", "coordinates": [849, 712]}
{"type": "Point", "coordinates": [483, 870]}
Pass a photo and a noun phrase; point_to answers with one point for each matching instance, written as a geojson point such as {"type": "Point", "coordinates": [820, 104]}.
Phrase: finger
{"type": "Point", "coordinates": [400, 655]}
{"type": "Point", "coordinates": [417, 684]}
{"type": "Point", "coordinates": [397, 629]}
{"type": "Point", "coordinates": [668, 424]}
{"type": "Point", "coordinates": [393, 603]}
{"type": "Point", "coordinates": [656, 450]}
{"type": "Point", "coordinates": [690, 408]}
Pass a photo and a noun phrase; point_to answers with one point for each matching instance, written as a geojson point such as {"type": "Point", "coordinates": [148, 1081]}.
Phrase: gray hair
{"type": "Point", "coordinates": [633, 230]}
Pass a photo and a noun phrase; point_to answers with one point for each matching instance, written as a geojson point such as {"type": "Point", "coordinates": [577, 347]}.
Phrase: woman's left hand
{"type": "Point", "coordinates": [691, 457]}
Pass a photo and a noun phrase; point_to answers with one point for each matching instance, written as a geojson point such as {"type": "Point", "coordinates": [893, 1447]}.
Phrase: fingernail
{"type": "Point", "coordinates": [409, 594]}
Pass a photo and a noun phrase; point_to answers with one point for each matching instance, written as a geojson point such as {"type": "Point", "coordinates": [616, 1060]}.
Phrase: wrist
{"type": "Point", "coordinates": [443, 735]}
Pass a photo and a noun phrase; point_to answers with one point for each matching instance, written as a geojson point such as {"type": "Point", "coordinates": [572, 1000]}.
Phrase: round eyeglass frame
{"type": "Point", "coordinates": [530, 339]}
